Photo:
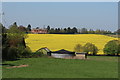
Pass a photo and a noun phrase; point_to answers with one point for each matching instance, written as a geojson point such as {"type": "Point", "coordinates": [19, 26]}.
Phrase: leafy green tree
{"type": "Point", "coordinates": [13, 43]}
{"type": "Point", "coordinates": [22, 28]}
{"type": "Point", "coordinates": [52, 30]}
{"type": "Point", "coordinates": [90, 48]}
{"type": "Point", "coordinates": [112, 47]}
{"type": "Point", "coordinates": [84, 31]}
{"type": "Point", "coordinates": [74, 30]}
{"type": "Point", "coordinates": [78, 48]}
{"type": "Point", "coordinates": [13, 38]}
{"type": "Point", "coordinates": [97, 31]}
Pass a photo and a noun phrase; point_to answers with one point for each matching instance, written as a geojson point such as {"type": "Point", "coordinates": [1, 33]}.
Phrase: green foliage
{"type": "Point", "coordinates": [27, 52]}
{"type": "Point", "coordinates": [24, 52]}
{"type": "Point", "coordinates": [14, 35]}
{"type": "Point", "coordinates": [38, 54]}
{"type": "Point", "coordinates": [112, 47]}
{"type": "Point", "coordinates": [13, 42]}
{"type": "Point", "coordinates": [78, 48]}
{"type": "Point", "coordinates": [90, 48]}
{"type": "Point", "coordinates": [84, 31]}
{"type": "Point", "coordinates": [22, 29]}
{"type": "Point", "coordinates": [12, 53]}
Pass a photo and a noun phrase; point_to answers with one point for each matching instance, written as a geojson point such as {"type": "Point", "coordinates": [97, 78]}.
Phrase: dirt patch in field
{"type": "Point", "coordinates": [17, 66]}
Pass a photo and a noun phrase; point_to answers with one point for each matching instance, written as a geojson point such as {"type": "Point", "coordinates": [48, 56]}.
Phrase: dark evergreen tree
{"type": "Point", "coordinates": [48, 27]}
{"type": "Point", "coordinates": [29, 27]}
{"type": "Point", "coordinates": [37, 27]}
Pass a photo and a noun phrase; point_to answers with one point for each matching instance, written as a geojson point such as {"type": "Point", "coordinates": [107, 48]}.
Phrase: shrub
{"type": "Point", "coordinates": [12, 53]}
{"type": "Point", "coordinates": [39, 54]}
{"type": "Point", "coordinates": [24, 52]}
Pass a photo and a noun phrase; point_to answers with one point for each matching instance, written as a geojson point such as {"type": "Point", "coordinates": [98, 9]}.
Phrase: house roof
{"type": "Point", "coordinates": [80, 52]}
{"type": "Point", "coordinates": [45, 48]}
{"type": "Point", "coordinates": [63, 51]}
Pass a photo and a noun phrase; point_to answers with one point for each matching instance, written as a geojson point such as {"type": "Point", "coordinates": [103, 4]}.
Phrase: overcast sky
{"type": "Point", "coordinates": [95, 15]}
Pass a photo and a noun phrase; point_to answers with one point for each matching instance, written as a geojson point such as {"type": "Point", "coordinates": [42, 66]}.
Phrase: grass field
{"type": "Point", "coordinates": [66, 41]}
{"type": "Point", "coordinates": [94, 67]}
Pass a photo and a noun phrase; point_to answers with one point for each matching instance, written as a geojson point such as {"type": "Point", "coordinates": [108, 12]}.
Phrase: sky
{"type": "Point", "coordinates": [91, 15]}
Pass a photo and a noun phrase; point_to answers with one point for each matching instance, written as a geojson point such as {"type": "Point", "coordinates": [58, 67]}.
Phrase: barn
{"type": "Point", "coordinates": [64, 54]}
{"type": "Point", "coordinates": [61, 53]}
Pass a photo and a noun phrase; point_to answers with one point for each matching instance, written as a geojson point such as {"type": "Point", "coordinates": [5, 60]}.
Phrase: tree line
{"type": "Point", "coordinates": [67, 30]}
{"type": "Point", "coordinates": [75, 30]}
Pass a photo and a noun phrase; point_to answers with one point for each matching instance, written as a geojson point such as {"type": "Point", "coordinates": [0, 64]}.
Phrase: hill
{"type": "Point", "coordinates": [65, 41]}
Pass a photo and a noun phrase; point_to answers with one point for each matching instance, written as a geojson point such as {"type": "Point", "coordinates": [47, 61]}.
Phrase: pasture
{"type": "Point", "coordinates": [93, 67]}
{"type": "Point", "coordinates": [66, 41]}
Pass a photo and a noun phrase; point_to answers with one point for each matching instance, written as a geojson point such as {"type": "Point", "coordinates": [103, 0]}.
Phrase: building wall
{"type": "Point", "coordinates": [80, 56]}
{"type": "Point", "coordinates": [83, 55]}
{"type": "Point", "coordinates": [55, 55]}
{"type": "Point", "coordinates": [39, 31]}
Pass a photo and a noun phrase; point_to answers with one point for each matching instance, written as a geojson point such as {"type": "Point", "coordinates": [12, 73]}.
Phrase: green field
{"type": "Point", "coordinates": [93, 67]}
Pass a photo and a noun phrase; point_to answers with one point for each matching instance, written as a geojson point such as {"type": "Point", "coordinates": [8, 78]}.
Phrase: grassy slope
{"type": "Point", "coordinates": [94, 67]}
{"type": "Point", "coordinates": [66, 41]}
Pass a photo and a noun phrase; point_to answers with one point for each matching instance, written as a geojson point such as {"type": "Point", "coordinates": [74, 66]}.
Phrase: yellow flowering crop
{"type": "Point", "coordinates": [65, 41]}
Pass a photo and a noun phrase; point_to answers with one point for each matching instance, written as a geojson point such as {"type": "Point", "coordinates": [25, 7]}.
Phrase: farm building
{"type": "Point", "coordinates": [39, 31]}
{"type": "Point", "coordinates": [45, 50]}
{"type": "Point", "coordinates": [61, 54]}
{"type": "Point", "coordinates": [81, 55]}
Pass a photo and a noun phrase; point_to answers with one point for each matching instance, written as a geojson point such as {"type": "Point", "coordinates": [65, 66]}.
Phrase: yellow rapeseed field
{"type": "Point", "coordinates": [65, 41]}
